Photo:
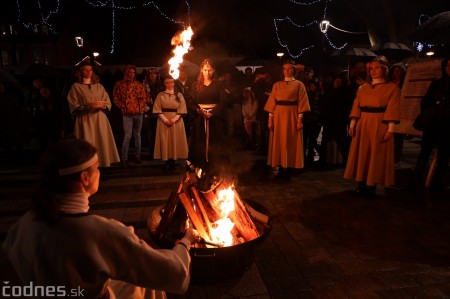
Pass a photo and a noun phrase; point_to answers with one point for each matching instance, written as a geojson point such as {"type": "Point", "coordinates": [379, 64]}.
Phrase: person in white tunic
{"type": "Point", "coordinates": [171, 142]}
{"type": "Point", "coordinates": [88, 103]}
{"type": "Point", "coordinates": [60, 244]}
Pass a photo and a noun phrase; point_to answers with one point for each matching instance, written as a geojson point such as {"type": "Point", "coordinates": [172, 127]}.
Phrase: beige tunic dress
{"type": "Point", "coordinates": [170, 142]}
{"type": "Point", "coordinates": [286, 101]}
{"type": "Point", "coordinates": [370, 159]}
{"type": "Point", "coordinates": [93, 126]}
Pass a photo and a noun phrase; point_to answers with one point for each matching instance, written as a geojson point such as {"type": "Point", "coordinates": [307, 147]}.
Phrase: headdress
{"type": "Point", "coordinates": [78, 167]}
{"type": "Point", "coordinates": [87, 61]}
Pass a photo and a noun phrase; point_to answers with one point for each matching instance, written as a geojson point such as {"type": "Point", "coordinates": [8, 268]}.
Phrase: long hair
{"type": "Point", "coordinates": [79, 77]}
{"type": "Point", "coordinates": [128, 67]}
{"type": "Point", "coordinates": [199, 86]}
{"type": "Point", "coordinates": [60, 155]}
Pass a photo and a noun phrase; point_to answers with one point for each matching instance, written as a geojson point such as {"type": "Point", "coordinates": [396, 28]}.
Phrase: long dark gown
{"type": "Point", "coordinates": [215, 159]}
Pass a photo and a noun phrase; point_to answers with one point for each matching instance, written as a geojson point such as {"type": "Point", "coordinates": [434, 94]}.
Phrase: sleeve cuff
{"type": "Point", "coordinates": [391, 127]}
{"type": "Point", "coordinates": [185, 243]}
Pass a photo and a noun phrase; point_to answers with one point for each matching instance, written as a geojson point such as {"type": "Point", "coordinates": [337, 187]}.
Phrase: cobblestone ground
{"type": "Point", "coordinates": [324, 241]}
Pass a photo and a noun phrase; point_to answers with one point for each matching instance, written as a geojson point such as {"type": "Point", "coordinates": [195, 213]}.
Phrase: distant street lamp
{"type": "Point", "coordinates": [95, 54]}
{"type": "Point", "coordinates": [280, 54]}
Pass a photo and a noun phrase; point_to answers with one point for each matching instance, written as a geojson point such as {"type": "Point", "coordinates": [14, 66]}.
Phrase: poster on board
{"type": "Point", "coordinates": [417, 80]}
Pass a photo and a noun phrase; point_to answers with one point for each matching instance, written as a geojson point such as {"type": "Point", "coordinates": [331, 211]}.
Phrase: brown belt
{"type": "Point", "coordinates": [373, 109]}
{"type": "Point", "coordinates": [286, 103]}
{"type": "Point", "coordinates": [169, 110]}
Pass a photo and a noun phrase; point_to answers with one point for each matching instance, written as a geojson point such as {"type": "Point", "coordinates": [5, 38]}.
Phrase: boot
{"type": "Point", "coordinates": [172, 166]}
{"type": "Point", "coordinates": [361, 190]}
{"type": "Point", "coordinates": [371, 191]}
{"type": "Point", "coordinates": [166, 167]}
{"type": "Point", "coordinates": [275, 172]}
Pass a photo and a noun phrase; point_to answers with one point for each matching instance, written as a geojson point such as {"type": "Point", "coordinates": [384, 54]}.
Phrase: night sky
{"type": "Point", "coordinates": [228, 27]}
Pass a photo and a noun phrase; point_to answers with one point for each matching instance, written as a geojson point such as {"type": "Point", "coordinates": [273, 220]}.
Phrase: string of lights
{"type": "Point", "coordinates": [323, 25]}
{"type": "Point", "coordinates": [305, 3]}
{"type": "Point", "coordinates": [45, 17]}
{"type": "Point", "coordinates": [421, 46]}
{"type": "Point", "coordinates": [111, 4]}
{"type": "Point", "coordinates": [275, 22]}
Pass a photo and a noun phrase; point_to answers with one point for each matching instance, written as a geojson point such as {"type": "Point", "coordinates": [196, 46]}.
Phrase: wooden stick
{"type": "Point", "coordinates": [167, 216]}
{"type": "Point", "coordinates": [242, 220]}
{"type": "Point", "coordinates": [202, 209]}
{"type": "Point", "coordinates": [257, 215]}
{"type": "Point", "coordinates": [432, 169]}
{"type": "Point", "coordinates": [198, 224]}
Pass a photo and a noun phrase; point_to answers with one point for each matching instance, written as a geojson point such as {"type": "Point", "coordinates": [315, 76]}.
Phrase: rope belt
{"type": "Point", "coordinates": [206, 124]}
{"type": "Point", "coordinates": [286, 103]}
{"type": "Point", "coordinates": [373, 109]}
{"type": "Point", "coordinates": [207, 108]}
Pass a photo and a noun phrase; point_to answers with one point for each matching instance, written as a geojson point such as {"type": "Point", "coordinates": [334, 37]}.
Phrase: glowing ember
{"type": "Point", "coordinates": [182, 43]}
{"type": "Point", "coordinates": [221, 231]}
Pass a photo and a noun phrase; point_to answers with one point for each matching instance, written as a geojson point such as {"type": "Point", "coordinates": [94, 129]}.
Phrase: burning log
{"type": "Point", "coordinates": [198, 223]}
{"type": "Point", "coordinates": [202, 209]}
{"type": "Point", "coordinates": [243, 223]}
{"type": "Point", "coordinates": [242, 220]}
{"type": "Point", "coordinates": [213, 259]}
{"type": "Point", "coordinates": [168, 213]}
{"type": "Point", "coordinates": [219, 214]}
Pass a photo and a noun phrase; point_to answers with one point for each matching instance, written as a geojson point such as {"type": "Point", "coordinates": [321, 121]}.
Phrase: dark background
{"type": "Point", "coordinates": [223, 27]}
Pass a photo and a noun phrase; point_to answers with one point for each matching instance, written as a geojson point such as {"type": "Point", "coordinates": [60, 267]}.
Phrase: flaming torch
{"type": "Point", "coordinates": [182, 43]}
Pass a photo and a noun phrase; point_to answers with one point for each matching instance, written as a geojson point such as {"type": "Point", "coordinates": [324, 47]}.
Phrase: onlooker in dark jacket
{"type": "Point", "coordinates": [436, 133]}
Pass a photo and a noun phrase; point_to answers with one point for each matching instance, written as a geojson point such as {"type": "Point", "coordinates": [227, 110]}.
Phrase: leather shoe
{"type": "Point", "coordinates": [371, 192]}
{"type": "Point", "coordinates": [138, 160]}
{"type": "Point", "coordinates": [124, 163]}
{"type": "Point", "coordinates": [361, 189]}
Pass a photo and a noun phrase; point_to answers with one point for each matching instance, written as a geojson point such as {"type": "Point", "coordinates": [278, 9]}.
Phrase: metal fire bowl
{"type": "Point", "coordinates": [217, 265]}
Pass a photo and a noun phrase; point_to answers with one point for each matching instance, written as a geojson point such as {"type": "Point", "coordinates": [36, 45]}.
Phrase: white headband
{"type": "Point", "coordinates": [79, 167]}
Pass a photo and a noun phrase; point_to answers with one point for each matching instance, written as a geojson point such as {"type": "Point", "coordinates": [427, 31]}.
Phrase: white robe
{"type": "Point", "coordinates": [88, 251]}
{"type": "Point", "coordinates": [93, 127]}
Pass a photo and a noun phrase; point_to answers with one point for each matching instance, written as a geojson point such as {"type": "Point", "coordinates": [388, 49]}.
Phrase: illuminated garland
{"type": "Point", "coordinates": [421, 46]}
{"type": "Point", "coordinates": [45, 20]}
{"type": "Point", "coordinates": [44, 17]}
{"type": "Point", "coordinates": [275, 21]}
{"type": "Point", "coordinates": [305, 3]}
{"type": "Point", "coordinates": [113, 7]}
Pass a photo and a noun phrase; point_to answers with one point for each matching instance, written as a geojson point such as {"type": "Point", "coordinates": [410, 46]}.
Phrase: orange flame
{"type": "Point", "coordinates": [182, 43]}
{"type": "Point", "coordinates": [221, 231]}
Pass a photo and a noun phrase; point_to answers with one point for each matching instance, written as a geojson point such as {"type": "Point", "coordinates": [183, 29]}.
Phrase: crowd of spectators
{"type": "Point", "coordinates": [37, 111]}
